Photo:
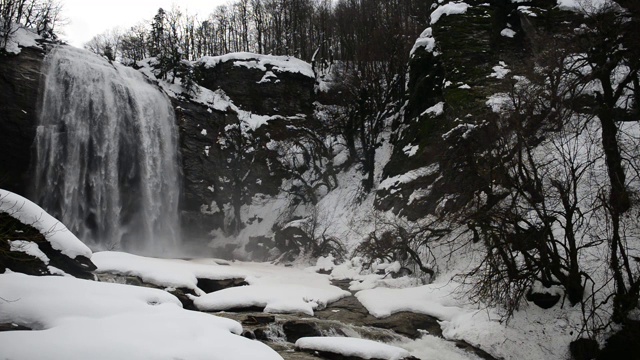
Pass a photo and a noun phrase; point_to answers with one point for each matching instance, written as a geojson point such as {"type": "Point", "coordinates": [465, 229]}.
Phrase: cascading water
{"type": "Point", "coordinates": [106, 153]}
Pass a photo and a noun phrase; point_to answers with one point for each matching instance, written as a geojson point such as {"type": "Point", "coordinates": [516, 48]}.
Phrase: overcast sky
{"type": "Point", "coordinates": [88, 18]}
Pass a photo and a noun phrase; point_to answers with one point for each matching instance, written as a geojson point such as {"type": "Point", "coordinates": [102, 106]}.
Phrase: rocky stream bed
{"type": "Point", "coordinates": [346, 317]}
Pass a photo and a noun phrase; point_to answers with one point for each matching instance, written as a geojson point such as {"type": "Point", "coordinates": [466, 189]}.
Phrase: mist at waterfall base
{"type": "Point", "coordinates": [106, 159]}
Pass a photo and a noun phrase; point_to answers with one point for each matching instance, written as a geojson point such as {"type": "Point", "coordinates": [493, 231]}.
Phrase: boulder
{"type": "Point", "coordinates": [584, 349]}
{"type": "Point", "coordinates": [24, 249]}
{"type": "Point", "coordinates": [296, 329]}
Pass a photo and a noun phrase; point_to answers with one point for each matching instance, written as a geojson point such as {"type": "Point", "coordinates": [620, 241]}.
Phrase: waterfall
{"type": "Point", "coordinates": [106, 154]}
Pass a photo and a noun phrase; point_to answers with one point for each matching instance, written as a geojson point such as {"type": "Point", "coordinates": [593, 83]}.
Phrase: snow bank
{"type": "Point", "coordinates": [275, 298]}
{"type": "Point", "coordinates": [42, 302]}
{"type": "Point", "coordinates": [435, 300]}
{"type": "Point", "coordinates": [260, 62]}
{"type": "Point", "coordinates": [345, 346]}
{"type": "Point", "coordinates": [164, 272]}
{"type": "Point", "coordinates": [53, 230]}
{"type": "Point", "coordinates": [80, 319]}
{"type": "Point", "coordinates": [166, 333]}
{"type": "Point", "coordinates": [277, 289]}
{"type": "Point", "coordinates": [452, 8]}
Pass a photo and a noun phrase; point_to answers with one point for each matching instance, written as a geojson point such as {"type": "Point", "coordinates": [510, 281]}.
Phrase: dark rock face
{"type": "Point", "coordinates": [225, 165]}
{"type": "Point", "coordinates": [448, 87]}
{"type": "Point", "coordinates": [225, 169]}
{"type": "Point", "coordinates": [13, 230]}
{"type": "Point", "coordinates": [255, 90]}
{"type": "Point", "coordinates": [19, 83]}
{"type": "Point", "coordinates": [584, 349]}
{"type": "Point", "coordinates": [622, 345]}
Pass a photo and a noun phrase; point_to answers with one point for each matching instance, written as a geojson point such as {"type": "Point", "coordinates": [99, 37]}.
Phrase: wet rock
{"type": "Point", "coordinates": [261, 335]}
{"type": "Point", "coordinates": [295, 330]}
{"type": "Point", "coordinates": [183, 295]}
{"type": "Point", "coordinates": [254, 320]}
{"type": "Point", "coordinates": [13, 327]}
{"type": "Point", "coordinates": [474, 350]}
{"type": "Point", "coordinates": [409, 324]}
{"type": "Point", "coordinates": [211, 285]}
{"type": "Point", "coordinates": [249, 335]}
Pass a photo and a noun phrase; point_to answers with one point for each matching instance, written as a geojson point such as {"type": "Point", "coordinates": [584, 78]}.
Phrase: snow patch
{"type": "Point", "coordinates": [500, 70]}
{"type": "Point", "coordinates": [452, 8]}
{"type": "Point", "coordinates": [410, 150]}
{"type": "Point", "coordinates": [435, 110]}
{"type": "Point", "coordinates": [29, 248]}
{"type": "Point", "coordinates": [361, 348]}
{"type": "Point", "coordinates": [425, 40]}
{"type": "Point", "coordinates": [506, 32]}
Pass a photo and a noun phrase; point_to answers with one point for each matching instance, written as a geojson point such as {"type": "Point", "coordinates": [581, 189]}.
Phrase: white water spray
{"type": "Point", "coordinates": [106, 154]}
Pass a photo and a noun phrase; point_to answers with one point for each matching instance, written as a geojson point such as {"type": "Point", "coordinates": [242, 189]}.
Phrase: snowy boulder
{"type": "Point", "coordinates": [35, 243]}
{"type": "Point", "coordinates": [351, 348]}
{"type": "Point", "coordinates": [261, 84]}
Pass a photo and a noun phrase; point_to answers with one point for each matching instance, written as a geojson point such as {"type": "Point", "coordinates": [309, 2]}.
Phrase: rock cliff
{"type": "Point", "coordinates": [19, 83]}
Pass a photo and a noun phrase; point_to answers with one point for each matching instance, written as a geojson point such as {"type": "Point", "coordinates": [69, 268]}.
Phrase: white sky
{"type": "Point", "coordinates": [88, 18]}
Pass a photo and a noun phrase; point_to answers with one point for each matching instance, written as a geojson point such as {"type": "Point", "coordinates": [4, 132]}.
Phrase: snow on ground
{"type": "Point", "coordinates": [437, 300]}
{"type": "Point", "coordinates": [532, 333]}
{"type": "Point", "coordinates": [278, 289]}
{"type": "Point", "coordinates": [173, 273]}
{"type": "Point", "coordinates": [81, 319]}
{"type": "Point", "coordinates": [53, 230]}
{"type": "Point", "coordinates": [366, 349]}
